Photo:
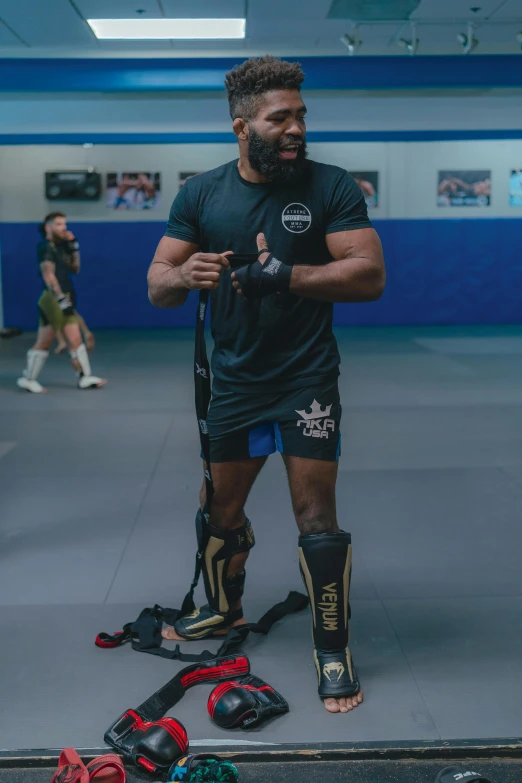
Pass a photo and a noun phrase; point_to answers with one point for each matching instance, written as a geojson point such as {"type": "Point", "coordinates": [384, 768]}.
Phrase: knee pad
{"type": "Point", "coordinates": [218, 547]}
{"type": "Point", "coordinates": [325, 561]}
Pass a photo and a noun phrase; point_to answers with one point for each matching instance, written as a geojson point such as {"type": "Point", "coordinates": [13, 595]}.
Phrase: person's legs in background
{"type": "Point", "coordinates": [79, 357]}
{"type": "Point", "coordinates": [35, 360]}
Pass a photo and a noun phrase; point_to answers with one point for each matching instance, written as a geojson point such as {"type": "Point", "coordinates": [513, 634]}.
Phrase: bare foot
{"type": "Point", "coordinates": [101, 383]}
{"type": "Point", "coordinates": [344, 705]}
{"type": "Point", "coordinates": [60, 348]}
{"type": "Point", "coordinates": [169, 633]}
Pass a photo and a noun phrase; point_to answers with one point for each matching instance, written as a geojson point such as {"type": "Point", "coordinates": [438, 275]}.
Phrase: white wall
{"type": "Point", "coordinates": [408, 171]}
{"type": "Point", "coordinates": [458, 110]}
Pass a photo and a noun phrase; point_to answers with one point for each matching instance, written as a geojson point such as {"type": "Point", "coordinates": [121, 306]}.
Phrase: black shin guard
{"type": "Point", "coordinates": [217, 548]}
{"type": "Point", "coordinates": [326, 563]}
{"type": "Point", "coordinates": [221, 546]}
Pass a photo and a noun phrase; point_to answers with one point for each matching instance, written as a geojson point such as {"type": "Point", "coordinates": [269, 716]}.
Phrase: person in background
{"type": "Point", "coordinates": [88, 336]}
{"type": "Point", "coordinates": [58, 258]}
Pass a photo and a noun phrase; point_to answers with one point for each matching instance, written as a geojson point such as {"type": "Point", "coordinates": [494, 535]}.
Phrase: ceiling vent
{"type": "Point", "coordinates": [365, 11]}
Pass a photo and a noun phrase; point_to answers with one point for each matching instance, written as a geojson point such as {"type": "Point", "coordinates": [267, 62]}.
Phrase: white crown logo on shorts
{"type": "Point", "coordinates": [317, 412]}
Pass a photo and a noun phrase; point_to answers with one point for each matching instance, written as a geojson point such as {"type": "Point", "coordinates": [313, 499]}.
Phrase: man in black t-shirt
{"type": "Point", "coordinates": [276, 239]}
{"type": "Point", "coordinates": [58, 257]}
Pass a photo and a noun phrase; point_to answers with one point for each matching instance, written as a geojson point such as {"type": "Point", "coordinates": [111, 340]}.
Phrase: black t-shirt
{"type": "Point", "coordinates": [60, 255]}
{"type": "Point", "coordinates": [282, 341]}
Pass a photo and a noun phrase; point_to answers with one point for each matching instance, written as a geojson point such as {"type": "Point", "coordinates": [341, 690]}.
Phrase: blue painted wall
{"type": "Point", "coordinates": [322, 73]}
{"type": "Point", "coordinates": [439, 272]}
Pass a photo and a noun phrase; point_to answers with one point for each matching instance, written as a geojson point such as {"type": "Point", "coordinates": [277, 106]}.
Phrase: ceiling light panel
{"type": "Point", "coordinates": [171, 29]}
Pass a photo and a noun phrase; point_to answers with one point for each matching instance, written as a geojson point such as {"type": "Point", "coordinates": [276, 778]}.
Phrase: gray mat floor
{"type": "Point", "coordinates": [498, 771]}
{"type": "Point", "coordinates": [97, 497]}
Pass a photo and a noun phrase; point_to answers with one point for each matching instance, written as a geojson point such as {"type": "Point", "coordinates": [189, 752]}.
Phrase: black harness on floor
{"type": "Point", "coordinates": [144, 634]}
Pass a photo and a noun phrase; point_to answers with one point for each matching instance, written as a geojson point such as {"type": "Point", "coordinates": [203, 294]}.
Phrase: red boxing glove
{"type": "Point", "coordinates": [152, 745]}
{"type": "Point", "coordinates": [244, 703]}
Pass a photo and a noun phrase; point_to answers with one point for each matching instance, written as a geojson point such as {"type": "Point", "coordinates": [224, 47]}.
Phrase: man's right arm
{"type": "Point", "coordinates": [49, 277]}
{"type": "Point", "coordinates": [178, 268]}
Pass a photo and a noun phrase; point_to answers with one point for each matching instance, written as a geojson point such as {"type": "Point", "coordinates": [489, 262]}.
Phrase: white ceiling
{"type": "Point", "coordinates": [30, 28]}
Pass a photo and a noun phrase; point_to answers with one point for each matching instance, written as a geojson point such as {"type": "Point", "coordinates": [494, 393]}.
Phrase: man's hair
{"type": "Point", "coordinates": [49, 219]}
{"type": "Point", "coordinates": [247, 82]}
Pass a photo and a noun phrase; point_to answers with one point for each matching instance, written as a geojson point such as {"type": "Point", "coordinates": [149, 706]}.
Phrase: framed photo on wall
{"type": "Point", "coordinates": [515, 188]}
{"type": "Point", "coordinates": [368, 181]}
{"type": "Point", "coordinates": [465, 188]}
{"type": "Point", "coordinates": [185, 175]}
{"type": "Point", "coordinates": [133, 190]}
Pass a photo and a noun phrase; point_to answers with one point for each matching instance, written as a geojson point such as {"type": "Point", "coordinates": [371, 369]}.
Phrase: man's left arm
{"type": "Point", "coordinates": [74, 253]}
{"type": "Point", "coordinates": [357, 273]}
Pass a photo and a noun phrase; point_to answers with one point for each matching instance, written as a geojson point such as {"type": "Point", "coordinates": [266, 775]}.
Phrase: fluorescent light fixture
{"type": "Point", "coordinates": [171, 29]}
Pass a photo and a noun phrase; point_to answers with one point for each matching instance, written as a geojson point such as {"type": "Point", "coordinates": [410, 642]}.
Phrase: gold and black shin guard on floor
{"type": "Point", "coordinates": [325, 560]}
{"type": "Point", "coordinates": [218, 547]}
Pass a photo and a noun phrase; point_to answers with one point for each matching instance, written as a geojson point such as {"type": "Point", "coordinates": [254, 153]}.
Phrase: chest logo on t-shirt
{"type": "Point", "coordinates": [296, 218]}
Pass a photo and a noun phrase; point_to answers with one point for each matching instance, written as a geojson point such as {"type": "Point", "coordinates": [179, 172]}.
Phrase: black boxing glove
{"type": "Point", "coordinates": [152, 745]}
{"type": "Point", "coordinates": [65, 304]}
{"type": "Point", "coordinates": [244, 703]}
{"type": "Point", "coordinates": [257, 280]}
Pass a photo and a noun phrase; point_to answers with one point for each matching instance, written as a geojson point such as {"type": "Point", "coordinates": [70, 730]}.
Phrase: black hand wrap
{"type": "Point", "coordinates": [244, 703]}
{"type": "Point", "coordinates": [73, 246]}
{"type": "Point", "coordinates": [257, 280]}
{"type": "Point", "coordinates": [65, 304]}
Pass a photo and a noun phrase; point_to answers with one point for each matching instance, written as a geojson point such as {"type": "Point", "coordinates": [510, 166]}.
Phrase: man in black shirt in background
{"type": "Point", "coordinates": [275, 363]}
{"type": "Point", "coordinates": [58, 258]}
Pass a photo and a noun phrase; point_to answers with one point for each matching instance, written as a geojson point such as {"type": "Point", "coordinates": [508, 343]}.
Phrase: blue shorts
{"type": "Point", "coordinates": [302, 422]}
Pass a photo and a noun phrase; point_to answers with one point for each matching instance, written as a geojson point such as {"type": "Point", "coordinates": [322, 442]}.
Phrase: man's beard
{"type": "Point", "coordinates": [264, 158]}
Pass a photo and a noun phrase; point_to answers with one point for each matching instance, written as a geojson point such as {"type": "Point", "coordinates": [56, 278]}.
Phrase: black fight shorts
{"type": "Point", "coordinates": [299, 423]}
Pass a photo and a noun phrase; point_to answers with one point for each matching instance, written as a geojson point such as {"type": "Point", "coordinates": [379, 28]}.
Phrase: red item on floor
{"type": "Point", "coordinates": [71, 768]}
{"type": "Point", "coordinates": [106, 769]}
{"type": "Point", "coordinates": [103, 769]}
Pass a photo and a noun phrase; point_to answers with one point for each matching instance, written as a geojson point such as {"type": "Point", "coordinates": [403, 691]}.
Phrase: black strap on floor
{"type": "Point", "coordinates": [144, 634]}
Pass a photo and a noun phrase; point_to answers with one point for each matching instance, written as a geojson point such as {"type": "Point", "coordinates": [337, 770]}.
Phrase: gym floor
{"type": "Point", "coordinates": [405, 771]}
{"type": "Point", "coordinates": [98, 491]}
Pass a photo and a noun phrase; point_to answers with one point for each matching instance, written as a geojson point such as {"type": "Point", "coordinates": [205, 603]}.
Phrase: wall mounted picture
{"type": "Point", "coordinates": [185, 175]}
{"type": "Point", "coordinates": [515, 188]}
{"type": "Point", "coordinates": [464, 188]}
{"type": "Point", "coordinates": [368, 181]}
{"type": "Point", "coordinates": [136, 190]}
